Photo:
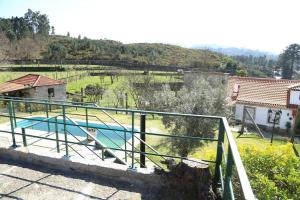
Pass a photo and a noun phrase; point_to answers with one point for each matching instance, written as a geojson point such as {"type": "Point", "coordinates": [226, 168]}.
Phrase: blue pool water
{"type": "Point", "coordinates": [117, 136]}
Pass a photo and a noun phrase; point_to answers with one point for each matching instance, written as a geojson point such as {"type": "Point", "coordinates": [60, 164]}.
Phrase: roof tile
{"type": "Point", "coordinates": [261, 91]}
{"type": "Point", "coordinates": [27, 81]}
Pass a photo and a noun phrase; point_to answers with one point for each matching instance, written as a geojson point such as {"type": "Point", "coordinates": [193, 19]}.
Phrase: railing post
{"type": "Point", "coordinates": [49, 103]}
{"type": "Point", "coordinates": [228, 190]}
{"type": "Point", "coordinates": [217, 178]}
{"type": "Point", "coordinates": [47, 115]}
{"type": "Point", "coordinates": [81, 95]}
{"type": "Point", "coordinates": [126, 102]}
{"type": "Point", "coordinates": [132, 140]}
{"type": "Point", "coordinates": [65, 129]}
{"type": "Point", "coordinates": [24, 137]}
{"type": "Point", "coordinates": [125, 144]}
{"type": "Point", "coordinates": [11, 122]}
{"type": "Point", "coordinates": [143, 140]}
{"type": "Point", "coordinates": [87, 120]}
{"type": "Point", "coordinates": [56, 135]}
{"type": "Point", "coordinates": [30, 108]}
{"type": "Point", "coordinates": [102, 153]}
{"type": "Point", "coordinates": [14, 114]}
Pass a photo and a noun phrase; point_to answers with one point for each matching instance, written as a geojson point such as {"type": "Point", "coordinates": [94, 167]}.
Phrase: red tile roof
{"type": "Point", "coordinates": [28, 81]}
{"type": "Point", "coordinates": [260, 91]}
{"type": "Point", "coordinates": [8, 87]}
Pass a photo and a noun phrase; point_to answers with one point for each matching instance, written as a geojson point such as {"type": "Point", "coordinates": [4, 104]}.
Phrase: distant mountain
{"type": "Point", "coordinates": [233, 51]}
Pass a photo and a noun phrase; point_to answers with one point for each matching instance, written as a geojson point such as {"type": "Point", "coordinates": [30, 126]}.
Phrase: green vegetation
{"type": "Point", "coordinates": [289, 60]}
{"type": "Point", "coordinates": [257, 66]}
{"type": "Point", "coordinates": [143, 53]}
{"type": "Point", "coordinates": [32, 24]}
{"type": "Point", "coordinates": [28, 38]}
{"type": "Point", "coordinates": [274, 171]}
{"type": "Point", "coordinates": [203, 97]}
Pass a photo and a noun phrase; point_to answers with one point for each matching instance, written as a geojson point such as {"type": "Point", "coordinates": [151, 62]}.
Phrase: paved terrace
{"type": "Point", "coordinates": [23, 181]}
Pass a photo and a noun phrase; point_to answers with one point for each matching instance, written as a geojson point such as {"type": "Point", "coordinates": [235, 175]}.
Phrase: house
{"type": "Point", "coordinates": [263, 97]}
{"type": "Point", "coordinates": [34, 86]}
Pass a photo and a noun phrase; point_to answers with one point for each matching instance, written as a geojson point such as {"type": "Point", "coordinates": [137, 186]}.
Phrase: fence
{"type": "Point", "coordinates": [136, 149]}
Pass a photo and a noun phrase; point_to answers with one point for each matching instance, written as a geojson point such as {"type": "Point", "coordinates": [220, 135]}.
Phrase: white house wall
{"type": "Point", "coordinates": [261, 115]}
{"type": "Point", "coordinates": [295, 97]}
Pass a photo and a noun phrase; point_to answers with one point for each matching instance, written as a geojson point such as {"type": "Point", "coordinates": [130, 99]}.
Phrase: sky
{"type": "Point", "coordinates": [267, 25]}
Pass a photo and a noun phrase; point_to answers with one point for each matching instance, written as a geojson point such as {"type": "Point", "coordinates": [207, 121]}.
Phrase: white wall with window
{"type": "Point", "coordinates": [263, 117]}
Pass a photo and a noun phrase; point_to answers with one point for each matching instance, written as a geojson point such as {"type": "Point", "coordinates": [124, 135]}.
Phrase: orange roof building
{"type": "Point", "coordinates": [34, 86]}
{"type": "Point", "coordinates": [263, 97]}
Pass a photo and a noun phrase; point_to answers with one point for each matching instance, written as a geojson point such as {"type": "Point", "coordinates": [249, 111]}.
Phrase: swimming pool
{"type": "Point", "coordinates": [117, 136]}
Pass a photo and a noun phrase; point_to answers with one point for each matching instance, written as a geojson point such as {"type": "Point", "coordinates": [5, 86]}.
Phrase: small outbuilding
{"type": "Point", "coordinates": [34, 86]}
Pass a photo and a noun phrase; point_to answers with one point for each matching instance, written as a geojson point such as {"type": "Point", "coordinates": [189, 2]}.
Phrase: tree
{"type": "Point", "coordinates": [231, 67]}
{"type": "Point", "coordinates": [141, 89]}
{"type": "Point", "coordinates": [57, 51]}
{"type": "Point", "coordinates": [43, 25]}
{"type": "Point", "coordinates": [31, 21]}
{"type": "Point", "coordinates": [204, 98]}
{"type": "Point", "coordinates": [52, 30]}
{"type": "Point", "coordinates": [94, 92]}
{"type": "Point", "coordinates": [37, 23]}
{"type": "Point", "coordinates": [241, 71]}
{"type": "Point", "coordinates": [19, 27]}
{"type": "Point", "coordinates": [288, 59]}
{"type": "Point", "coordinates": [10, 35]}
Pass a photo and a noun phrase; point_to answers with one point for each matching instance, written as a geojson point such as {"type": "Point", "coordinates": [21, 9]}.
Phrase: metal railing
{"type": "Point", "coordinates": [225, 163]}
{"type": "Point", "coordinates": [126, 143]}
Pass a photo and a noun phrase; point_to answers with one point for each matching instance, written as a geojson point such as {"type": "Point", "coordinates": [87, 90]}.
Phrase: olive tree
{"type": "Point", "coordinates": [94, 92]}
{"type": "Point", "coordinates": [141, 89]}
{"type": "Point", "coordinates": [203, 97]}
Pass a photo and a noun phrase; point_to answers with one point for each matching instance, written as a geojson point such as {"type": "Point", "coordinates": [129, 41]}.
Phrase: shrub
{"type": "Point", "coordinates": [273, 172]}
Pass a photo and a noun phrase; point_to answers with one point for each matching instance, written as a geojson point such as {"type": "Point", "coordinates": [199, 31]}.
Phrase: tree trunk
{"type": "Point", "coordinates": [189, 179]}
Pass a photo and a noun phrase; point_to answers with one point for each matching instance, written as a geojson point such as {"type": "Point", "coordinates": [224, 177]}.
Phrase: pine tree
{"type": "Point", "coordinates": [288, 59]}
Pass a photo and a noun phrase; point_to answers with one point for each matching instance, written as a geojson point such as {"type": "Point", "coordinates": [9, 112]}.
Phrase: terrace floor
{"type": "Point", "coordinates": [19, 180]}
{"type": "Point", "coordinates": [24, 181]}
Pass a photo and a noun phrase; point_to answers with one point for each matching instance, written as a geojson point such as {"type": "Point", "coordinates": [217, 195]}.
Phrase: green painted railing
{"type": "Point", "coordinates": [227, 162]}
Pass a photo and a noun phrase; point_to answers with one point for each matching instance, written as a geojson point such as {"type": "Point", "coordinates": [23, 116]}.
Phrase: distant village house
{"type": "Point", "coordinates": [34, 86]}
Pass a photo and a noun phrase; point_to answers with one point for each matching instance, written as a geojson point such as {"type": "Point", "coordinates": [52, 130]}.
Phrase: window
{"type": "Point", "coordinates": [274, 116]}
{"type": "Point", "coordinates": [50, 92]}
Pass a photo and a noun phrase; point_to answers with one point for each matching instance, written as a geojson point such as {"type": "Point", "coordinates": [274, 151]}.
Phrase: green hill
{"type": "Point", "coordinates": [28, 38]}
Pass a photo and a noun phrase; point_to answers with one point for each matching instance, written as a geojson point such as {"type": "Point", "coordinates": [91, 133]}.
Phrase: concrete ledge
{"type": "Point", "coordinates": [101, 169]}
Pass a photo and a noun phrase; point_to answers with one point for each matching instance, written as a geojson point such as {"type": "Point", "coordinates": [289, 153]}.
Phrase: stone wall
{"type": "Point", "coordinates": [191, 76]}
{"type": "Point", "coordinates": [108, 170]}
{"type": "Point", "coordinates": [42, 92]}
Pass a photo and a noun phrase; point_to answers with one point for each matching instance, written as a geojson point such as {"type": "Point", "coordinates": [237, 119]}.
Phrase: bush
{"type": "Point", "coordinates": [274, 172]}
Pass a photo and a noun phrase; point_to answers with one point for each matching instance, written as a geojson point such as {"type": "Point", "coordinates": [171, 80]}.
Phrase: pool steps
{"type": "Point", "coordinates": [110, 152]}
